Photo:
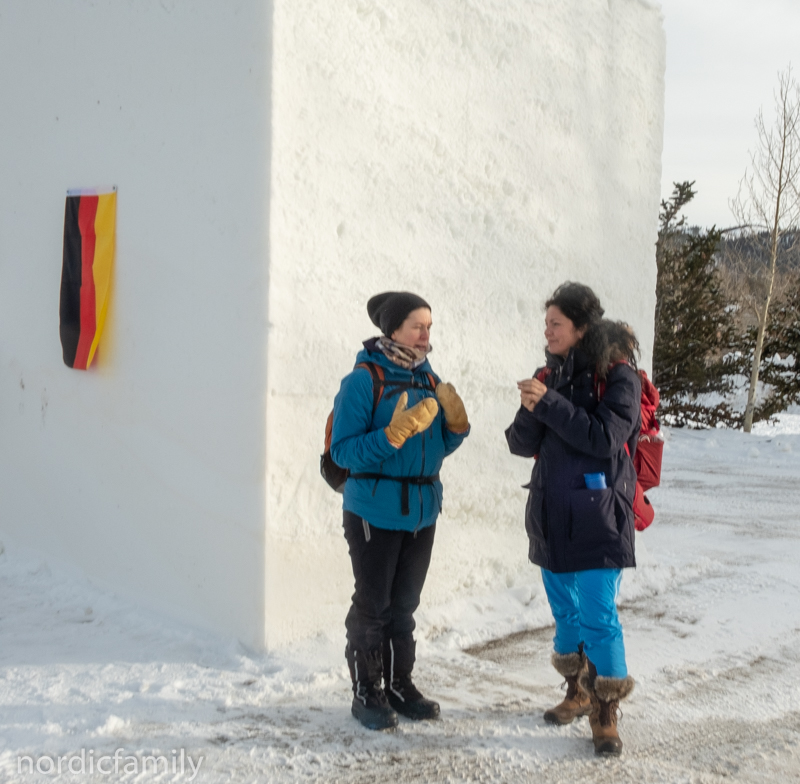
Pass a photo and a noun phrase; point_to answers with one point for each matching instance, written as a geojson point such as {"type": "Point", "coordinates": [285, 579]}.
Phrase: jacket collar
{"type": "Point", "coordinates": [565, 369]}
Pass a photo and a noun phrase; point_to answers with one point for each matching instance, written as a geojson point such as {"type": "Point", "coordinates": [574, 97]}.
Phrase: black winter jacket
{"type": "Point", "coordinates": [570, 527]}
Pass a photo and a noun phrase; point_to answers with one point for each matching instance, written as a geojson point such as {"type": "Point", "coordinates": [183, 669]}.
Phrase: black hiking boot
{"type": "Point", "coordinates": [370, 706]}
{"type": "Point", "coordinates": [399, 654]}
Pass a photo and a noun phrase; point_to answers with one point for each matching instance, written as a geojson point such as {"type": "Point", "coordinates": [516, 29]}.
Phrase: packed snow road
{"type": "Point", "coordinates": [712, 625]}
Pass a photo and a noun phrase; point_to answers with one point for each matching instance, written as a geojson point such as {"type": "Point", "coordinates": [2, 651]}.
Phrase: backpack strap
{"type": "Point", "coordinates": [399, 387]}
{"type": "Point", "coordinates": [600, 383]}
{"type": "Point", "coordinates": [378, 382]}
{"type": "Point", "coordinates": [599, 387]}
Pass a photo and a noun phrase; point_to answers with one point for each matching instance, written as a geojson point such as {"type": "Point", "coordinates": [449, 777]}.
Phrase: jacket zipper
{"type": "Point", "coordinates": [419, 487]}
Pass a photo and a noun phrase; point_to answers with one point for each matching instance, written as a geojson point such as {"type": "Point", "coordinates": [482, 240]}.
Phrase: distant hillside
{"type": "Point", "coordinates": [750, 252]}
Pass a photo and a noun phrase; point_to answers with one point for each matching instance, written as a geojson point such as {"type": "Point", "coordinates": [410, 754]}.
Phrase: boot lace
{"type": "Point", "coordinates": [608, 712]}
{"type": "Point", "coordinates": [573, 689]}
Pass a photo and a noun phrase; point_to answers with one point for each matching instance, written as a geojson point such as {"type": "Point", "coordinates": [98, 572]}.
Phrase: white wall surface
{"type": "Point", "coordinates": [148, 470]}
{"type": "Point", "coordinates": [479, 154]}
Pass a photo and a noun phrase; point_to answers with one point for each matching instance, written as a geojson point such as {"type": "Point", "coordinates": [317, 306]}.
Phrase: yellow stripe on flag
{"type": "Point", "coordinates": [104, 228]}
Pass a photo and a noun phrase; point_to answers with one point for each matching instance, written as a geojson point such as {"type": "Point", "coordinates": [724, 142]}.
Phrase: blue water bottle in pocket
{"type": "Point", "coordinates": [595, 481]}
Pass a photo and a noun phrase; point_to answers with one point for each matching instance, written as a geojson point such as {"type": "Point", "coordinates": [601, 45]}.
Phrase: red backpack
{"type": "Point", "coordinates": [334, 474]}
{"type": "Point", "coordinates": [649, 449]}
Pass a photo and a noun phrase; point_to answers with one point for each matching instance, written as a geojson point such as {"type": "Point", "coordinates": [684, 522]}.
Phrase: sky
{"type": "Point", "coordinates": [723, 60]}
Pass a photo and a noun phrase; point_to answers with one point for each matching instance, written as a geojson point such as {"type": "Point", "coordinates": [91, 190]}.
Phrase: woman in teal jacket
{"type": "Point", "coordinates": [389, 432]}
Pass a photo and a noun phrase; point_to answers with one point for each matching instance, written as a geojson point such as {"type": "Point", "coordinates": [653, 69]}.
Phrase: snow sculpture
{"type": "Point", "coordinates": [278, 164]}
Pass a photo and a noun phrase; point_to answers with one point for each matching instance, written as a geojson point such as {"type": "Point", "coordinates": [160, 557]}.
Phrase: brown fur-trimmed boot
{"type": "Point", "coordinates": [605, 694]}
{"type": "Point", "coordinates": [576, 702]}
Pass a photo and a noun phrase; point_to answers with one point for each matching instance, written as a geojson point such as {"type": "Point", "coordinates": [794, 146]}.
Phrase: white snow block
{"type": "Point", "coordinates": [479, 154]}
{"type": "Point", "coordinates": [277, 164]}
{"type": "Point", "coordinates": [148, 470]}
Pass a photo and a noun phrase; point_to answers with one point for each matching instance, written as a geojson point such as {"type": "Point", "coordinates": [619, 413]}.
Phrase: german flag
{"type": "Point", "coordinates": [89, 229]}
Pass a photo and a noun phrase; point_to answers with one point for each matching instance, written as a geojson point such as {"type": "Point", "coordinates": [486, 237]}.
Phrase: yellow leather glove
{"type": "Point", "coordinates": [407, 422]}
{"type": "Point", "coordinates": [454, 412]}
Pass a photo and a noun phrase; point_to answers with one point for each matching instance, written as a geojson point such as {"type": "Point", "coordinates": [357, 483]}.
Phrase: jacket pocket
{"type": "Point", "coordinates": [592, 516]}
{"type": "Point", "coordinates": [535, 519]}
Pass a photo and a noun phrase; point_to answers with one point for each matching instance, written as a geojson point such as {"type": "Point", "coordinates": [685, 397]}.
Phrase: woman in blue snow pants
{"type": "Point", "coordinates": [580, 417]}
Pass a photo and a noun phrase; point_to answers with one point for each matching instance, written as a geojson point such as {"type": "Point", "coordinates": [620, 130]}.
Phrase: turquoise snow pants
{"type": "Point", "coordinates": [585, 610]}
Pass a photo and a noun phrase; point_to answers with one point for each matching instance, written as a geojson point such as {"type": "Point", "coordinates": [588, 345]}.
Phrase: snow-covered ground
{"type": "Point", "coordinates": [712, 623]}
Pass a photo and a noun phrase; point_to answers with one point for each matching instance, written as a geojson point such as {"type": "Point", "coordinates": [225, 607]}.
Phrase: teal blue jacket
{"type": "Point", "coordinates": [359, 443]}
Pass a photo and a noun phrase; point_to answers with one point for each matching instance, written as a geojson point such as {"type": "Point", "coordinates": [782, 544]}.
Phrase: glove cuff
{"type": "Point", "coordinates": [392, 441]}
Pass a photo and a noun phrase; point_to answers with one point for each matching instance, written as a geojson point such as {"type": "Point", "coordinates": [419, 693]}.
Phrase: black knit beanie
{"type": "Point", "coordinates": [389, 310]}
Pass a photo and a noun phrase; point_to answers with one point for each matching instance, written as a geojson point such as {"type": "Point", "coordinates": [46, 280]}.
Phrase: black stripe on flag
{"type": "Point", "coordinates": [70, 309]}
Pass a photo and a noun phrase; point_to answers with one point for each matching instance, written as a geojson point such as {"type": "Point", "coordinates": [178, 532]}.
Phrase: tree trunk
{"type": "Point", "coordinates": [763, 320]}
{"type": "Point", "coordinates": [769, 198]}
{"type": "Point", "coordinates": [751, 392]}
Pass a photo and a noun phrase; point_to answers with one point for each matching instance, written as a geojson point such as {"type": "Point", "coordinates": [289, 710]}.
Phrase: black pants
{"type": "Point", "coordinates": [389, 571]}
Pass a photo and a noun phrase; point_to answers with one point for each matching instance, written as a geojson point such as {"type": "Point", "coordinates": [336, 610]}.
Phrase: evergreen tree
{"type": "Point", "coordinates": [693, 326]}
{"type": "Point", "coordinates": [780, 362]}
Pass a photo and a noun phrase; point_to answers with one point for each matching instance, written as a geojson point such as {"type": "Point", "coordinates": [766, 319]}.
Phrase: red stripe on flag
{"type": "Point", "coordinates": [86, 215]}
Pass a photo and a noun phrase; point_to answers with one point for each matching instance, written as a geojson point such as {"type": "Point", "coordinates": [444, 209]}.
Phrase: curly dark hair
{"type": "Point", "coordinates": [607, 342]}
{"type": "Point", "coordinates": [577, 302]}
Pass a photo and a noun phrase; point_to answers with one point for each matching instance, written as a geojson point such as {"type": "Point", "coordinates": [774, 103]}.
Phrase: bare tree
{"type": "Point", "coordinates": [745, 272]}
{"type": "Point", "coordinates": [768, 203]}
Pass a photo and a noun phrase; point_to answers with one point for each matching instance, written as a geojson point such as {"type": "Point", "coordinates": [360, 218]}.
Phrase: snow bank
{"type": "Point", "coordinates": [784, 424]}
{"type": "Point", "coordinates": [711, 623]}
{"type": "Point", "coordinates": [478, 154]}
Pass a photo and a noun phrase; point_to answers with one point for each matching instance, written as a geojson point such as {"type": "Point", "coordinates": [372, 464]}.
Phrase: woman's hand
{"type": "Point", "coordinates": [407, 422]}
{"type": "Point", "coordinates": [455, 414]}
{"type": "Point", "coordinates": [531, 391]}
